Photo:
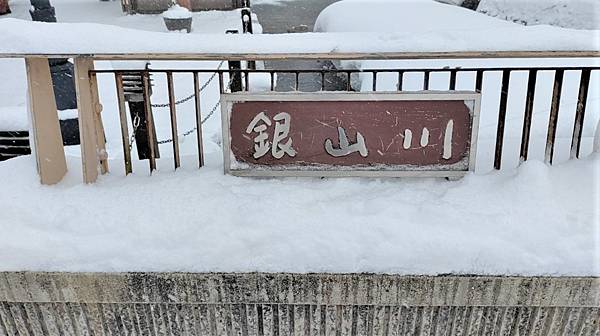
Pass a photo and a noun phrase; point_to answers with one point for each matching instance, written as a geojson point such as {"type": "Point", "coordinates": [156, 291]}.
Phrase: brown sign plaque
{"type": "Point", "coordinates": [350, 134]}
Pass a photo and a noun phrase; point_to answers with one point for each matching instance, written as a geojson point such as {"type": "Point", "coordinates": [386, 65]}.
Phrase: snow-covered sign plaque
{"type": "Point", "coordinates": [350, 134]}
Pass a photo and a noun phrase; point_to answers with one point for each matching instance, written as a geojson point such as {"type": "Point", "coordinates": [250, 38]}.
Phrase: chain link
{"type": "Point", "coordinates": [212, 111]}
{"type": "Point", "coordinates": [188, 98]}
{"type": "Point", "coordinates": [136, 124]}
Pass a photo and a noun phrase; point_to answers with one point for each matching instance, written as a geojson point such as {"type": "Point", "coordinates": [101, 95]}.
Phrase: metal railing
{"type": "Point", "coordinates": [233, 79]}
{"type": "Point", "coordinates": [321, 75]}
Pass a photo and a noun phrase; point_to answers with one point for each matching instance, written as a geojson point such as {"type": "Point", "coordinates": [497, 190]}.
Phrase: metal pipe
{"type": "Point", "coordinates": [501, 119]}
{"type": "Point", "coordinates": [584, 84]}
{"type": "Point", "coordinates": [553, 121]}
{"type": "Point", "coordinates": [198, 107]}
{"type": "Point", "coordinates": [528, 115]}
{"type": "Point", "coordinates": [173, 112]}
{"type": "Point", "coordinates": [149, 121]}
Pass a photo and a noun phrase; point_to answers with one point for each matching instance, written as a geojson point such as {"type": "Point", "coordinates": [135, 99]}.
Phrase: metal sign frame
{"type": "Point", "coordinates": [228, 99]}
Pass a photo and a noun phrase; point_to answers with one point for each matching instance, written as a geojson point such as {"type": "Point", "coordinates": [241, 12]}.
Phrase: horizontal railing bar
{"type": "Point", "coordinates": [15, 138]}
{"type": "Point", "coordinates": [14, 146]}
{"type": "Point", "coordinates": [344, 71]}
{"type": "Point", "coordinates": [318, 55]}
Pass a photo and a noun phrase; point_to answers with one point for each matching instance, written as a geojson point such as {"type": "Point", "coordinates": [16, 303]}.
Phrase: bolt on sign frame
{"type": "Point", "coordinates": [423, 134]}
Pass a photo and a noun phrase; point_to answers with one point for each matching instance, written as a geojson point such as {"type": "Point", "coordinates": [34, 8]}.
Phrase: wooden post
{"type": "Point", "coordinates": [87, 120]}
{"type": "Point", "coordinates": [46, 137]}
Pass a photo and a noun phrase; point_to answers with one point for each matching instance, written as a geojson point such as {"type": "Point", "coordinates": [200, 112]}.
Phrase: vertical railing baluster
{"type": "Point", "coordinates": [272, 74]}
{"type": "Point", "coordinates": [453, 74]}
{"type": "Point", "coordinates": [100, 133]}
{"type": "Point", "coordinates": [173, 111]}
{"type": "Point", "coordinates": [501, 119]}
{"type": "Point", "coordinates": [235, 76]}
{"type": "Point", "coordinates": [479, 81]}
{"type": "Point", "coordinates": [553, 120]}
{"type": "Point", "coordinates": [221, 83]}
{"type": "Point", "coordinates": [426, 76]}
{"type": "Point", "coordinates": [297, 87]}
{"type": "Point", "coordinates": [525, 135]}
{"type": "Point", "coordinates": [374, 81]}
{"type": "Point", "coordinates": [322, 80]}
{"type": "Point", "coordinates": [584, 84]}
{"type": "Point", "coordinates": [400, 80]}
{"type": "Point", "coordinates": [149, 120]}
{"type": "Point", "coordinates": [123, 122]}
{"type": "Point", "coordinates": [198, 121]}
{"type": "Point", "coordinates": [247, 81]}
{"type": "Point", "coordinates": [348, 84]}
{"type": "Point", "coordinates": [87, 110]}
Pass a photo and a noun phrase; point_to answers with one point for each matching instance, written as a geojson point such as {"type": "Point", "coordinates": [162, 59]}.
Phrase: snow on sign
{"type": "Point", "coordinates": [350, 134]}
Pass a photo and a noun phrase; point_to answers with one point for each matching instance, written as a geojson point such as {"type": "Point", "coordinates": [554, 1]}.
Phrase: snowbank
{"type": "Point", "coordinates": [411, 16]}
{"type": "Point", "coordinates": [537, 220]}
{"type": "Point", "coordinates": [24, 37]}
{"type": "Point", "coordinates": [580, 14]}
{"type": "Point", "coordinates": [14, 118]}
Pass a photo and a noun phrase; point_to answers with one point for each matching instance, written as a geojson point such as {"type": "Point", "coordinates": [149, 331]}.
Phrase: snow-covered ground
{"type": "Point", "coordinates": [530, 220]}
{"type": "Point", "coordinates": [579, 14]}
{"type": "Point", "coordinates": [537, 220]}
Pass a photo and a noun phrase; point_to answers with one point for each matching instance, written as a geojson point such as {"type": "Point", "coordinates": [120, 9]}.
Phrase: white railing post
{"type": "Point", "coordinates": [90, 124]}
{"type": "Point", "coordinates": [46, 138]}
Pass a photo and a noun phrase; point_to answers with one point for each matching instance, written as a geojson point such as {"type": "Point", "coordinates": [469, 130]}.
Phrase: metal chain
{"type": "Point", "coordinates": [177, 102]}
{"type": "Point", "coordinates": [212, 111]}
{"type": "Point", "coordinates": [136, 119]}
{"type": "Point", "coordinates": [210, 114]}
{"type": "Point", "coordinates": [204, 86]}
{"type": "Point", "coordinates": [136, 124]}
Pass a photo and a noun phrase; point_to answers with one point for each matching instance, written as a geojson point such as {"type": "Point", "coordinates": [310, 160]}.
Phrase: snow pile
{"type": "Point", "coordinates": [14, 118]}
{"type": "Point", "coordinates": [411, 16]}
{"type": "Point", "coordinates": [83, 38]}
{"type": "Point", "coordinates": [177, 12]}
{"type": "Point", "coordinates": [534, 221]}
{"type": "Point", "coordinates": [580, 14]}
{"type": "Point", "coordinates": [424, 16]}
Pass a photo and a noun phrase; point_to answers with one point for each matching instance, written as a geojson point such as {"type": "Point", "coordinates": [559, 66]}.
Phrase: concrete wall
{"type": "Point", "coordinates": [295, 304]}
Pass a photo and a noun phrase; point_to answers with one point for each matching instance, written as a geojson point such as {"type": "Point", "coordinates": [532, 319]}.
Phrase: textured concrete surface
{"type": "Point", "coordinates": [295, 304]}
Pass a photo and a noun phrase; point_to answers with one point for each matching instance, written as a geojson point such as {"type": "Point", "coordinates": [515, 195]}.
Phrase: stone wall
{"type": "Point", "coordinates": [295, 304]}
